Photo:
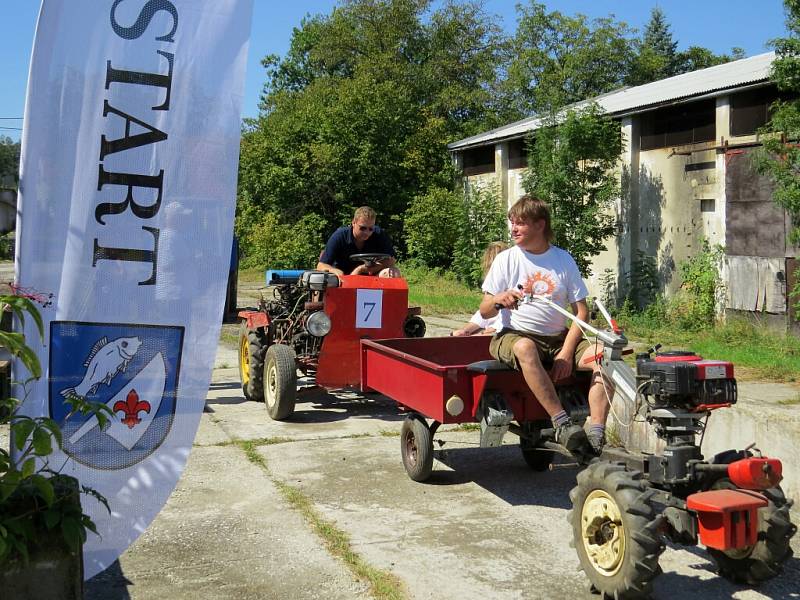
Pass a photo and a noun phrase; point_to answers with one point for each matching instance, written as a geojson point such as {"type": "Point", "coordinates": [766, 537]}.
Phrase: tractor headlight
{"type": "Point", "coordinates": [318, 324]}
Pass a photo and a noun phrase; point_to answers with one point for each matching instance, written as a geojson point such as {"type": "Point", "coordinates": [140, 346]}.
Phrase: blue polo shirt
{"type": "Point", "coordinates": [341, 245]}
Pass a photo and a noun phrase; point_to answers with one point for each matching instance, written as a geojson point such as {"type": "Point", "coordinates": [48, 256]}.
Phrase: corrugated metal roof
{"type": "Point", "coordinates": [739, 73]}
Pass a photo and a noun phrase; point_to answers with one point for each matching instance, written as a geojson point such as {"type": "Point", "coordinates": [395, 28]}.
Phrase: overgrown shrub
{"type": "Point", "coordinates": [642, 281]}
{"type": "Point", "coordinates": [695, 307]}
{"type": "Point", "coordinates": [432, 226]}
{"type": "Point", "coordinates": [268, 243]}
{"type": "Point", "coordinates": [483, 220]}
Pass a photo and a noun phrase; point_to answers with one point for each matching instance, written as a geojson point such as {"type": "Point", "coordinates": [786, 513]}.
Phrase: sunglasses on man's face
{"type": "Point", "coordinates": [365, 228]}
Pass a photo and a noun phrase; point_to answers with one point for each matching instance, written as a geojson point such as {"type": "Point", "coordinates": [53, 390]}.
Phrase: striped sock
{"type": "Point", "coordinates": [560, 418]}
{"type": "Point", "coordinates": [597, 430]}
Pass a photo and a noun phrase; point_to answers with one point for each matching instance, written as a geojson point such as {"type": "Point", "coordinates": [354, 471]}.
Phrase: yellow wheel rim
{"type": "Point", "coordinates": [244, 359]}
{"type": "Point", "coordinates": [603, 533]}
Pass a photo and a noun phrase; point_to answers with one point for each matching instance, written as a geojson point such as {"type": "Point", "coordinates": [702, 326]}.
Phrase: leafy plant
{"type": "Point", "coordinates": [483, 220]}
{"type": "Point", "coordinates": [433, 225]}
{"type": "Point", "coordinates": [572, 167]}
{"type": "Point", "coordinates": [35, 501]}
{"type": "Point", "coordinates": [268, 242]}
{"type": "Point", "coordinates": [702, 284]}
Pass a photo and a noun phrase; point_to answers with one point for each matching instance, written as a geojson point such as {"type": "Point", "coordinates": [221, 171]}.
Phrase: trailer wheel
{"type": "Point", "coordinates": [280, 381]}
{"type": "Point", "coordinates": [252, 347]}
{"type": "Point", "coordinates": [416, 446]}
{"type": "Point", "coordinates": [537, 458]}
{"type": "Point", "coordinates": [535, 455]}
{"type": "Point", "coordinates": [764, 559]}
{"type": "Point", "coordinates": [615, 530]}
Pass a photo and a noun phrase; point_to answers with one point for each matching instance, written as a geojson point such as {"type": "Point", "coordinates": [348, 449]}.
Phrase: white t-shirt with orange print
{"type": "Point", "coordinates": [553, 274]}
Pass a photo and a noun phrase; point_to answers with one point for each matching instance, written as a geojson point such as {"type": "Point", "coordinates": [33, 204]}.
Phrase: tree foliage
{"type": "Point", "coordinates": [9, 159]}
{"type": "Point", "coordinates": [361, 108]}
{"type": "Point", "coordinates": [560, 59]}
{"type": "Point", "coordinates": [572, 166]}
{"type": "Point", "coordinates": [657, 56]}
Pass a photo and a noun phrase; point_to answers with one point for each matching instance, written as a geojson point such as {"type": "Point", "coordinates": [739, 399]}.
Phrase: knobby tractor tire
{"type": "Point", "coordinates": [764, 559]}
{"type": "Point", "coordinates": [416, 447]}
{"type": "Point", "coordinates": [252, 347]}
{"type": "Point", "coordinates": [280, 381]}
{"type": "Point", "coordinates": [615, 530]}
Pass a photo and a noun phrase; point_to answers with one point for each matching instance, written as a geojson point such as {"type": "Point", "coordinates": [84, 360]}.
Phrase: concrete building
{"type": "Point", "coordinates": [685, 175]}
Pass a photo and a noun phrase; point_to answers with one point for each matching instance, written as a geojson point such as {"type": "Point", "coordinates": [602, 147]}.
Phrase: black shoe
{"type": "Point", "coordinates": [573, 438]}
{"type": "Point", "coordinates": [596, 442]}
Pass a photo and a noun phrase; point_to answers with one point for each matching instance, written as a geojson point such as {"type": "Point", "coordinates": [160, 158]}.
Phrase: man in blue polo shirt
{"type": "Point", "coordinates": [360, 237]}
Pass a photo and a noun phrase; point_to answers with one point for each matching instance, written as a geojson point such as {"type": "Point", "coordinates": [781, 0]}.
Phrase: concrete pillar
{"type": "Point", "coordinates": [629, 200]}
{"type": "Point", "coordinates": [501, 170]}
{"type": "Point", "coordinates": [723, 126]}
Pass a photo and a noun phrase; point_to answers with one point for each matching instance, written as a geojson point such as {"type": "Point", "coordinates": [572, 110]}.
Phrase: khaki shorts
{"type": "Point", "coordinates": [502, 347]}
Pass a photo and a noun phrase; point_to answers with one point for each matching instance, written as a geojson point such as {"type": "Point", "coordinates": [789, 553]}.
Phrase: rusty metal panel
{"type": "Point", "coordinates": [756, 284]}
{"type": "Point", "coordinates": [755, 225]}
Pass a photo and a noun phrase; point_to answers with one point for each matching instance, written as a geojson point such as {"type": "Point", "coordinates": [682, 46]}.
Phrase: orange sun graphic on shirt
{"type": "Point", "coordinates": [540, 284]}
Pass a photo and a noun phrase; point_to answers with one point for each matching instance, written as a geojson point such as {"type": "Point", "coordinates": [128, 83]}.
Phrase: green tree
{"type": "Point", "coordinates": [572, 166]}
{"type": "Point", "coordinates": [9, 159]}
{"type": "Point", "coordinates": [560, 59]}
{"type": "Point", "coordinates": [360, 109]}
{"type": "Point", "coordinates": [657, 56]}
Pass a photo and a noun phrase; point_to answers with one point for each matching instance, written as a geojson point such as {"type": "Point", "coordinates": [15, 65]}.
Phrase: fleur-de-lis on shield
{"type": "Point", "coordinates": [132, 407]}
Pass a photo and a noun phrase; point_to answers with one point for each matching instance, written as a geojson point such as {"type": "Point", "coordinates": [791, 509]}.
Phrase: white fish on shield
{"type": "Point", "coordinates": [106, 359]}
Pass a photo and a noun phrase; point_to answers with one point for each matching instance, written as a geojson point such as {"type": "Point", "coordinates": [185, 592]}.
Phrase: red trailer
{"type": "Point", "coordinates": [455, 380]}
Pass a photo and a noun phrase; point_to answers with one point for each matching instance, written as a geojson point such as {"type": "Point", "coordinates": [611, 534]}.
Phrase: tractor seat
{"type": "Point", "coordinates": [484, 366]}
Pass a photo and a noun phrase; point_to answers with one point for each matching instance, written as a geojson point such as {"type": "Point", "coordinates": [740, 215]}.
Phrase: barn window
{"type": "Point", "coordinates": [750, 110]}
{"type": "Point", "coordinates": [680, 125]}
{"type": "Point", "coordinates": [477, 161]}
{"type": "Point", "coordinates": [517, 154]}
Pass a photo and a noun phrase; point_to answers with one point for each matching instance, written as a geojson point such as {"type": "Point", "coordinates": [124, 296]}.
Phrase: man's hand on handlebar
{"type": "Point", "coordinates": [507, 299]}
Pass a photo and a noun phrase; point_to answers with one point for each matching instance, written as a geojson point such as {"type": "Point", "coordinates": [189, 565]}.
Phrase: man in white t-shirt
{"type": "Point", "coordinates": [532, 336]}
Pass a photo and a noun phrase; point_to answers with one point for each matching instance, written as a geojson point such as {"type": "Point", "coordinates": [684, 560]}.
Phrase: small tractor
{"type": "Point", "coordinates": [314, 324]}
{"type": "Point", "coordinates": [627, 503]}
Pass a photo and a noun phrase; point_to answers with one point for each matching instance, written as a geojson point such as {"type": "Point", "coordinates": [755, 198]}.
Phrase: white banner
{"type": "Point", "coordinates": [128, 182]}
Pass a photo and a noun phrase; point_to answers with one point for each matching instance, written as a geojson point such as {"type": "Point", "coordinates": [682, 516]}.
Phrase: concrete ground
{"type": "Point", "coordinates": [484, 526]}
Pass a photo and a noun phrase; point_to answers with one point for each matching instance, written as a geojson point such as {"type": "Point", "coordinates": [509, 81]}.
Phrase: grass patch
{"type": "Point", "coordinates": [383, 584]}
{"type": "Point", "coordinates": [790, 401]}
{"type": "Point", "coordinates": [439, 293]}
{"type": "Point", "coordinates": [770, 355]}
{"type": "Point", "coordinates": [466, 427]}
{"type": "Point", "coordinates": [229, 336]}
{"type": "Point", "coordinates": [252, 276]}
{"type": "Point", "coordinates": [388, 433]}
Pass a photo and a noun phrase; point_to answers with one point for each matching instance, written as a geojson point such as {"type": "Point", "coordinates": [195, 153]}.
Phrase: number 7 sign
{"type": "Point", "coordinates": [369, 309]}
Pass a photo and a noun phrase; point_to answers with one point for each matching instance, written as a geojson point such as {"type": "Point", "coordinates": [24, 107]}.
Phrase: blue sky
{"type": "Point", "coordinates": [715, 24]}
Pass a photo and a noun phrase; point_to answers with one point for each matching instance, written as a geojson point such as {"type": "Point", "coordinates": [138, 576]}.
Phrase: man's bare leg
{"type": "Point", "coordinates": [568, 434]}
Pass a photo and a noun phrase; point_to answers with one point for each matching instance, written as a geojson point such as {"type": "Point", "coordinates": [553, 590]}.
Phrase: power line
{"type": "Point", "coordinates": [12, 128]}
{"type": "Point", "coordinates": [10, 118]}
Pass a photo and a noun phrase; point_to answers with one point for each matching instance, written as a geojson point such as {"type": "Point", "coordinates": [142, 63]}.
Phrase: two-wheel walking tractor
{"type": "Point", "coordinates": [314, 324]}
{"type": "Point", "coordinates": [626, 503]}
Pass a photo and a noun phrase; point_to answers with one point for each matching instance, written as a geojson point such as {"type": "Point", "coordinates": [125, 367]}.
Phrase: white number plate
{"type": "Point", "coordinates": [369, 309]}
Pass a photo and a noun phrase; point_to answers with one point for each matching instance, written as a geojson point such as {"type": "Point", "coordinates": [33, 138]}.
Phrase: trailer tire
{"type": "Point", "coordinates": [537, 458]}
{"type": "Point", "coordinates": [416, 447]}
{"type": "Point", "coordinates": [535, 455]}
{"type": "Point", "coordinates": [615, 530]}
{"type": "Point", "coordinates": [764, 559]}
{"type": "Point", "coordinates": [280, 381]}
{"type": "Point", "coordinates": [252, 347]}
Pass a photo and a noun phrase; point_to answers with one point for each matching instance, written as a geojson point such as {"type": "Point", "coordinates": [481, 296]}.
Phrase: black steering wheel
{"type": "Point", "coordinates": [370, 259]}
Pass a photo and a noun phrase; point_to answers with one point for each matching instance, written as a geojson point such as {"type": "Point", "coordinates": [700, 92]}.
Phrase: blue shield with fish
{"type": "Point", "coordinates": [132, 369]}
